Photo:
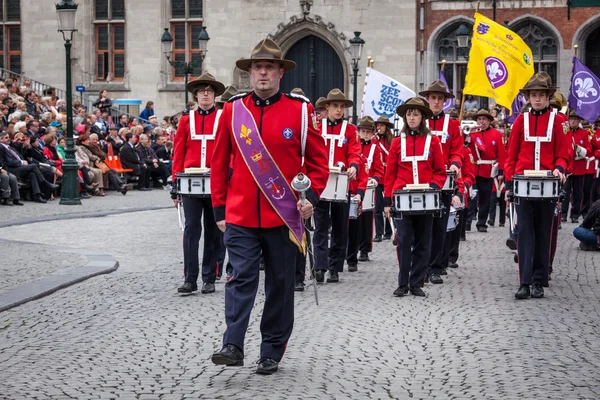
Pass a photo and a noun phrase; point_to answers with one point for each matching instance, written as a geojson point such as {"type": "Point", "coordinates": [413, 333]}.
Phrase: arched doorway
{"type": "Point", "coordinates": [592, 51]}
{"type": "Point", "coordinates": [318, 68]}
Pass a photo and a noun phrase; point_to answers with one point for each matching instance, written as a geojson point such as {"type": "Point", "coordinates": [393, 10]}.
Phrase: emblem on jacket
{"type": "Point", "coordinates": [288, 133]}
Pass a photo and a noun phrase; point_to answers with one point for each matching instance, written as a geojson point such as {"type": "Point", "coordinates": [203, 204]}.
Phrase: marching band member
{"type": "Point", "coordinates": [193, 147]}
{"type": "Point", "coordinates": [589, 183]}
{"type": "Point", "coordinates": [257, 209]}
{"type": "Point", "coordinates": [360, 230]}
{"type": "Point", "coordinates": [530, 148]}
{"type": "Point", "coordinates": [383, 228]}
{"type": "Point", "coordinates": [488, 149]}
{"type": "Point", "coordinates": [416, 145]}
{"type": "Point", "coordinates": [448, 132]}
{"type": "Point", "coordinates": [341, 141]}
{"type": "Point", "coordinates": [582, 147]}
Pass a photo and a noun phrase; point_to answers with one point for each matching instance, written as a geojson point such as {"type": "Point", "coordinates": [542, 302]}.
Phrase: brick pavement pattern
{"type": "Point", "coordinates": [128, 335]}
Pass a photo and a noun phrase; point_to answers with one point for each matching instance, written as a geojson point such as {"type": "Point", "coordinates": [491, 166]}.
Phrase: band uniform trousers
{"type": "Point", "coordinates": [382, 224]}
{"type": "Point", "coordinates": [413, 232]}
{"type": "Point", "coordinates": [496, 201]}
{"type": "Point", "coordinates": [245, 246]}
{"type": "Point", "coordinates": [535, 220]}
{"type": "Point", "coordinates": [579, 191]}
{"type": "Point", "coordinates": [588, 193]}
{"type": "Point", "coordinates": [455, 236]}
{"type": "Point", "coordinates": [472, 209]}
{"type": "Point", "coordinates": [439, 236]}
{"type": "Point", "coordinates": [213, 255]}
{"type": "Point", "coordinates": [554, 235]}
{"type": "Point", "coordinates": [332, 258]}
{"type": "Point", "coordinates": [568, 193]}
{"type": "Point", "coordinates": [484, 186]}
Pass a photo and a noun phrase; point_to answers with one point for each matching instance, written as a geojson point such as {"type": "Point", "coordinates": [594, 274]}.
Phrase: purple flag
{"type": "Point", "coordinates": [449, 102]}
{"type": "Point", "coordinates": [515, 109]}
{"type": "Point", "coordinates": [584, 93]}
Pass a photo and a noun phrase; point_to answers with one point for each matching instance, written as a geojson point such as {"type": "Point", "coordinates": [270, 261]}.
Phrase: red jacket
{"type": "Point", "coordinates": [596, 144]}
{"type": "Point", "coordinates": [581, 165]}
{"type": "Point", "coordinates": [186, 151]}
{"type": "Point", "coordinates": [399, 173]}
{"type": "Point", "coordinates": [359, 185]}
{"type": "Point", "coordinates": [239, 200]}
{"type": "Point", "coordinates": [349, 152]}
{"type": "Point", "coordinates": [375, 169]}
{"type": "Point", "coordinates": [452, 141]}
{"type": "Point", "coordinates": [467, 175]}
{"type": "Point", "coordinates": [490, 145]}
{"type": "Point", "coordinates": [521, 154]}
{"type": "Point", "coordinates": [384, 149]}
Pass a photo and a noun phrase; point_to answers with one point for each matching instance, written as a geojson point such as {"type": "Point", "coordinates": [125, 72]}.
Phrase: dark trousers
{"type": "Point", "coordinates": [382, 224]}
{"type": "Point", "coordinates": [360, 236]}
{"type": "Point", "coordinates": [588, 193]}
{"type": "Point", "coordinates": [144, 177]}
{"type": "Point", "coordinates": [301, 259]}
{"type": "Point", "coordinates": [330, 257]}
{"type": "Point", "coordinates": [554, 235]}
{"type": "Point", "coordinates": [9, 187]}
{"type": "Point", "coordinates": [413, 232]}
{"type": "Point", "coordinates": [568, 193]}
{"type": "Point", "coordinates": [577, 191]}
{"type": "Point", "coordinates": [31, 173]}
{"type": "Point", "coordinates": [472, 209]}
{"type": "Point", "coordinates": [439, 236]}
{"type": "Point", "coordinates": [114, 182]}
{"type": "Point", "coordinates": [214, 255]}
{"type": "Point", "coordinates": [496, 201]}
{"type": "Point", "coordinates": [533, 245]}
{"type": "Point", "coordinates": [245, 246]}
{"type": "Point", "coordinates": [455, 236]}
{"type": "Point", "coordinates": [484, 185]}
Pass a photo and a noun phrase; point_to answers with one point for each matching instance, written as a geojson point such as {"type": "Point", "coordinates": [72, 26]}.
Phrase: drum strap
{"type": "Point", "coordinates": [444, 132]}
{"type": "Point", "coordinates": [538, 139]}
{"type": "Point", "coordinates": [414, 159]}
{"type": "Point", "coordinates": [333, 138]}
{"type": "Point", "coordinates": [499, 187]}
{"type": "Point", "coordinates": [203, 138]}
{"type": "Point", "coordinates": [479, 160]}
{"type": "Point", "coordinates": [370, 158]}
{"type": "Point", "coordinates": [382, 147]}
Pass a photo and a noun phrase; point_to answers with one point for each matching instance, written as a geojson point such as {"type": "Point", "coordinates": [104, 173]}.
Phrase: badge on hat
{"type": "Point", "coordinates": [288, 133]}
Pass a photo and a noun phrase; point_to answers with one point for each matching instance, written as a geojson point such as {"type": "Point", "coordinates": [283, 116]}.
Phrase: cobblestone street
{"type": "Point", "coordinates": [128, 335]}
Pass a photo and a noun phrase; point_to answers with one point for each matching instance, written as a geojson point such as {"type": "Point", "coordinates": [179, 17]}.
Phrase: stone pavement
{"type": "Point", "coordinates": [128, 335]}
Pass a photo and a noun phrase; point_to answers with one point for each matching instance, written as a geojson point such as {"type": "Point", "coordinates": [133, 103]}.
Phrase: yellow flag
{"type": "Point", "coordinates": [500, 63]}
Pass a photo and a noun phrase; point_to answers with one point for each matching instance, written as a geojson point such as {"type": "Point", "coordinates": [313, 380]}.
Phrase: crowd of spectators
{"type": "Point", "coordinates": [113, 151]}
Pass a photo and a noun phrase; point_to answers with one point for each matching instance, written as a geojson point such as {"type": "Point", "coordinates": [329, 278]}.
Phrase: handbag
{"type": "Point", "coordinates": [102, 167]}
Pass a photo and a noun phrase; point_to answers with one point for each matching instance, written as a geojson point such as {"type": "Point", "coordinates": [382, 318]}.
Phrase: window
{"type": "Point", "coordinates": [456, 60]}
{"type": "Point", "coordinates": [109, 23]}
{"type": "Point", "coordinates": [543, 45]}
{"type": "Point", "coordinates": [186, 23]}
{"type": "Point", "coordinates": [10, 35]}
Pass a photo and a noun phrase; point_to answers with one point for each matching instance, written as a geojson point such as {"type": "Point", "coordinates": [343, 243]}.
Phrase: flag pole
{"type": "Point", "coordinates": [443, 64]}
{"type": "Point", "coordinates": [462, 100]}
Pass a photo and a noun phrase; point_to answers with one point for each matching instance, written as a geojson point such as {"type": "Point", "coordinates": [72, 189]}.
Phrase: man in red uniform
{"type": "Point", "coordinates": [343, 148]}
{"type": "Point", "coordinates": [448, 131]}
{"type": "Point", "coordinates": [383, 228]}
{"type": "Point", "coordinates": [257, 209]}
{"type": "Point", "coordinates": [193, 148]}
{"type": "Point", "coordinates": [531, 148]}
{"type": "Point", "coordinates": [582, 148]}
{"type": "Point", "coordinates": [488, 149]}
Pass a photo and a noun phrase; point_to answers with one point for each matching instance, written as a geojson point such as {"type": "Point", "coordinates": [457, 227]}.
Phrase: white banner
{"type": "Point", "coordinates": [383, 95]}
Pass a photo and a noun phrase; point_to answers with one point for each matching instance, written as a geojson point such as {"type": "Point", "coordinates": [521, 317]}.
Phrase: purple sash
{"type": "Point", "coordinates": [266, 173]}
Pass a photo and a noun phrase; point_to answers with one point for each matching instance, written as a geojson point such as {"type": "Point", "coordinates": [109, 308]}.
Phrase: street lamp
{"type": "Point", "coordinates": [66, 12]}
{"type": "Point", "coordinates": [181, 66]}
{"type": "Point", "coordinates": [356, 46]}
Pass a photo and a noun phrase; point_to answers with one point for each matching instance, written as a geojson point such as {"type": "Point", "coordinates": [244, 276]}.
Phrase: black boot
{"type": "Point", "coordinates": [537, 291]}
{"type": "Point", "coordinates": [188, 287]}
{"type": "Point", "coordinates": [523, 292]}
{"type": "Point", "coordinates": [229, 356]}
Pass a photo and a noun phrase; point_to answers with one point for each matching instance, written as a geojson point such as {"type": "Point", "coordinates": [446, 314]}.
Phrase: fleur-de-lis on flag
{"type": "Point", "coordinates": [585, 88]}
{"type": "Point", "coordinates": [494, 70]}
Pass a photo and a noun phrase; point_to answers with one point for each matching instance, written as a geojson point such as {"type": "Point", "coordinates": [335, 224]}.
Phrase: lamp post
{"type": "Point", "coordinates": [462, 36]}
{"type": "Point", "coordinates": [356, 46]}
{"type": "Point", "coordinates": [66, 12]}
{"type": "Point", "coordinates": [184, 67]}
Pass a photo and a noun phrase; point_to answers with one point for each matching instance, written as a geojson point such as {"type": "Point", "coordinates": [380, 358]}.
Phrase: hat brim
{"type": "Point", "coordinates": [347, 103]}
{"type": "Point", "coordinates": [194, 85]}
{"type": "Point", "coordinates": [246, 63]}
{"type": "Point", "coordinates": [388, 124]}
{"type": "Point", "coordinates": [371, 127]}
{"type": "Point", "coordinates": [551, 90]}
{"type": "Point", "coordinates": [401, 110]}
{"type": "Point", "coordinates": [428, 92]}
{"type": "Point", "coordinates": [488, 116]}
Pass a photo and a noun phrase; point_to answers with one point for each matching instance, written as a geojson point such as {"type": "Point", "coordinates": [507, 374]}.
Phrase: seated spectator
{"type": "Point", "coordinates": [51, 152]}
{"type": "Point", "coordinates": [96, 154]}
{"type": "Point", "coordinates": [162, 152]}
{"type": "Point", "coordinates": [35, 154]}
{"type": "Point", "coordinates": [61, 148]}
{"type": "Point", "coordinates": [588, 233]}
{"type": "Point", "coordinates": [133, 121]}
{"type": "Point", "coordinates": [148, 156]}
{"type": "Point", "coordinates": [21, 127]}
{"type": "Point", "coordinates": [130, 159]}
{"type": "Point", "coordinates": [147, 112]}
{"type": "Point", "coordinates": [115, 139]}
{"type": "Point", "coordinates": [123, 121]}
{"type": "Point", "coordinates": [84, 161]}
{"type": "Point", "coordinates": [9, 189]}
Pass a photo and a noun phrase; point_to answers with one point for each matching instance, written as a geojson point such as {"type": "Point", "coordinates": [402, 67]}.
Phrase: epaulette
{"type": "Point", "coordinates": [238, 96]}
{"type": "Point", "coordinates": [299, 97]}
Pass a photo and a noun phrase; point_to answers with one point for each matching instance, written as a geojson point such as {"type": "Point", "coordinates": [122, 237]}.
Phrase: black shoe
{"type": "Point", "coordinates": [363, 257]}
{"type": "Point", "coordinates": [188, 287]}
{"type": "Point", "coordinates": [511, 243]}
{"type": "Point", "coordinates": [443, 272]}
{"type": "Point", "coordinates": [229, 355]}
{"type": "Point", "coordinates": [207, 287]}
{"type": "Point", "coordinates": [352, 267]}
{"type": "Point", "coordinates": [299, 287]}
{"type": "Point", "coordinates": [84, 195]}
{"type": "Point", "coordinates": [377, 238]}
{"type": "Point", "coordinates": [516, 258]}
{"type": "Point", "coordinates": [123, 189]}
{"type": "Point", "coordinates": [417, 291]}
{"type": "Point", "coordinates": [17, 203]}
{"type": "Point", "coordinates": [482, 228]}
{"type": "Point", "coordinates": [468, 227]}
{"type": "Point", "coordinates": [333, 277]}
{"type": "Point", "coordinates": [38, 198]}
{"type": "Point", "coordinates": [463, 238]}
{"type": "Point", "coordinates": [574, 220]}
{"type": "Point", "coordinates": [387, 237]}
{"type": "Point", "coordinates": [320, 276]}
{"type": "Point", "coordinates": [143, 189]}
{"type": "Point", "coordinates": [453, 265]}
{"type": "Point", "coordinates": [436, 279]}
{"type": "Point", "coordinates": [53, 186]}
{"type": "Point", "coordinates": [501, 225]}
{"type": "Point", "coordinates": [537, 291]}
{"type": "Point", "coordinates": [563, 219]}
{"type": "Point", "coordinates": [490, 222]}
{"type": "Point", "coordinates": [523, 292]}
{"type": "Point", "coordinates": [401, 291]}
{"type": "Point", "coordinates": [6, 202]}
{"type": "Point", "coordinates": [261, 266]}
{"type": "Point", "coordinates": [267, 366]}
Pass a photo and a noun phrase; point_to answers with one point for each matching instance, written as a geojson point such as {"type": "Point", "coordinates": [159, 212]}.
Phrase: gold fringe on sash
{"type": "Point", "coordinates": [301, 246]}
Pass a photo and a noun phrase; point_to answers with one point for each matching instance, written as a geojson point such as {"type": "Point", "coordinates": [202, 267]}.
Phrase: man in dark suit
{"type": "Point", "coordinates": [13, 163]}
{"type": "Point", "coordinates": [131, 159]}
{"type": "Point", "coordinates": [149, 157]}
{"type": "Point", "coordinates": [162, 153]}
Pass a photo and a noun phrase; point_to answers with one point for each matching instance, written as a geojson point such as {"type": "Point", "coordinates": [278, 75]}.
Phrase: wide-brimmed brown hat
{"type": "Point", "coordinates": [573, 114]}
{"type": "Point", "coordinates": [453, 113]}
{"type": "Point", "coordinates": [229, 92]}
{"type": "Point", "coordinates": [366, 122]}
{"type": "Point", "coordinates": [319, 104]}
{"type": "Point", "coordinates": [559, 99]}
{"type": "Point", "coordinates": [204, 80]}
{"type": "Point", "coordinates": [586, 125]}
{"type": "Point", "coordinates": [437, 87]}
{"type": "Point", "coordinates": [484, 113]}
{"type": "Point", "coordinates": [384, 120]}
{"type": "Point", "coordinates": [298, 91]}
{"type": "Point", "coordinates": [338, 96]}
{"type": "Point", "coordinates": [538, 82]}
{"type": "Point", "coordinates": [415, 103]}
{"type": "Point", "coordinates": [266, 50]}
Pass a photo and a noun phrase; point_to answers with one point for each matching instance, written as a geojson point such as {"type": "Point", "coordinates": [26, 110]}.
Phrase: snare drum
{"type": "Point", "coordinates": [337, 188]}
{"type": "Point", "coordinates": [452, 219]}
{"type": "Point", "coordinates": [354, 209]}
{"type": "Point", "coordinates": [193, 184]}
{"type": "Point", "coordinates": [369, 200]}
{"type": "Point", "coordinates": [450, 184]}
{"type": "Point", "coordinates": [536, 187]}
{"type": "Point", "coordinates": [417, 202]}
